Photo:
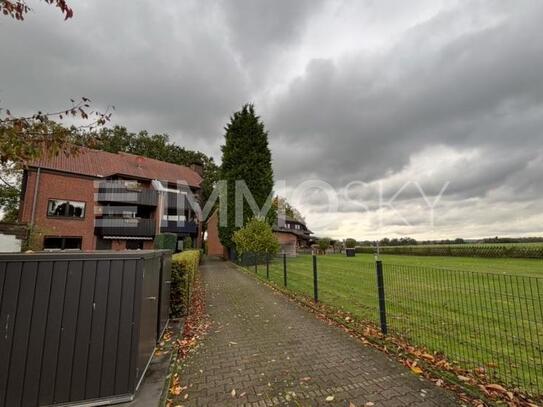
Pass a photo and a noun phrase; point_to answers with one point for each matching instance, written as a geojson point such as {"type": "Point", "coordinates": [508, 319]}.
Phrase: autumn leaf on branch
{"type": "Point", "coordinates": [26, 138]}
{"type": "Point", "coordinates": [17, 9]}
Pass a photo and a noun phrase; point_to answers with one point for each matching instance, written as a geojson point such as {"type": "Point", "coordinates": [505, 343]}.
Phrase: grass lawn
{"type": "Point", "coordinates": [479, 312]}
{"type": "Point", "coordinates": [525, 267]}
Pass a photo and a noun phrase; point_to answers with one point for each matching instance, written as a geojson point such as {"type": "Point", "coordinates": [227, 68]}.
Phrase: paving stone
{"type": "Point", "coordinates": [274, 352]}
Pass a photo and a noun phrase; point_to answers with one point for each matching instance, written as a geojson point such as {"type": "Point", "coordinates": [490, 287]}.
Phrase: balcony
{"type": "Point", "coordinates": [179, 227]}
{"type": "Point", "coordinates": [118, 193]}
{"type": "Point", "coordinates": [133, 227]}
{"type": "Point", "coordinates": [179, 201]}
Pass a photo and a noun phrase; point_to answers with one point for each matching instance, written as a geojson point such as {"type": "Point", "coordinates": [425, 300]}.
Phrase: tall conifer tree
{"type": "Point", "coordinates": [245, 156]}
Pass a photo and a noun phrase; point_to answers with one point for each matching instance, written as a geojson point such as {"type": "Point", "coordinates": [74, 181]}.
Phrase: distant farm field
{"type": "Point", "coordinates": [524, 267]}
{"type": "Point", "coordinates": [488, 250]}
{"type": "Point", "coordinates": [531, 245]}
{"type": "Point", "coordinates": [481, 312]}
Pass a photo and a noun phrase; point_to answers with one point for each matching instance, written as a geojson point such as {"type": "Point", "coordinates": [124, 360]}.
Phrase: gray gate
{"type": "Point", "coordinates": [77, 327]}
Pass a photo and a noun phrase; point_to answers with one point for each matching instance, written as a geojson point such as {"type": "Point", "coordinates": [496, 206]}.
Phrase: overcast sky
{"type": "Point", "coordinates": [390, 98]}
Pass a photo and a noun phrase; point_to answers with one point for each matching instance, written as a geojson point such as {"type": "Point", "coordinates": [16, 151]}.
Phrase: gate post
{"type": "Point", "coordinates": [267, 266]}
{"type": "Point", "coordinates": [315, 280]}
{"type": "Point", "coordinates": [381, 293]}
{"type": "Point", "coordinates": [284, 269]}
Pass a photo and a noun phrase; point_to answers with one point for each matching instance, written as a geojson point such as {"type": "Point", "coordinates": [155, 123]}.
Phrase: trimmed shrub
{"type": "Point", "coordinates": [350, 243]}
{"type": "Point", "coordinates": [184, 270]}
{"type": "Point", "coordinates": [166, 241]}
{"type": "Point", "coordinates": [187, 243]}
{"type": "Point", "coordinates": [256, 237]}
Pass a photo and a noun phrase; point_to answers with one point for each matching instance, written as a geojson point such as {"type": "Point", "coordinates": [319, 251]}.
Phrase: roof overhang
{"type": "Point", "coordinates": [126, 238]}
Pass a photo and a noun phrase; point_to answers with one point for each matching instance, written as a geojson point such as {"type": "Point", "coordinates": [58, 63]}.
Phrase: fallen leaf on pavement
{"type": "Point", "coordinates": [416, 369]}
{"type": "Point", "coordinates": [495, 387]}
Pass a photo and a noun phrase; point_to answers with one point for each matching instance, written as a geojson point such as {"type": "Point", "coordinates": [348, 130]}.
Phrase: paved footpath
{"type": "Point", "coordinates": [264, 350]}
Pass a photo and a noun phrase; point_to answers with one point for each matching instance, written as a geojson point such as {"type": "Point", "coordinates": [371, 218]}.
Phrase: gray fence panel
{"type": "Point", "coordinates": [7, 319]}
{"type": "Point", "coordinates": [94, 367]}
{"type": "Point", "coordinates": [134, 359]}
{"type": "Point", "coordinates": [52, 332]}
{"type": "Point", "coordinates": [84, 323]}
{"type": "Point", "coordinates": [37, 333]}
{"type": "Point", "coordinates": [21, 328]}
{"type": "Point", "coordinates": [67, 336]}
{"type": "Point", "coordinates": [109, 358]}
{"type": "Point", "coordinates": [2, 277]}
{"type": "Point", "coordinates": [149, 308]}
{"type": "Point", "coordinates": [164, 296]}
{"type": "Point", "coordinates": [122, 384]}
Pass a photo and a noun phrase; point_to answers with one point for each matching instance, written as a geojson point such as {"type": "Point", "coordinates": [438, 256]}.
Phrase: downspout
{"type": "Point", "coordinates": [159, 212]}
{"type": "Point", "coordinates": [157, 186]}
{"type": "Point", "coordinates": [35, 198]}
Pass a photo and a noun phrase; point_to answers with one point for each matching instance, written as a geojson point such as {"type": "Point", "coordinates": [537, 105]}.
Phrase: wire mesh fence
{"type": "Point", "coordinates": [478, 320]}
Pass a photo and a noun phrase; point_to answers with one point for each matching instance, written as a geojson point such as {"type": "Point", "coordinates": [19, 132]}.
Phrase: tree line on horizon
{"type": "Point", "coordinates": [408, 241]}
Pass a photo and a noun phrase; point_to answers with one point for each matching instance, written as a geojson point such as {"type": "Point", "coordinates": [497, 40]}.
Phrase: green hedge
{"type": "Point", "coordinates": [166, 241]}
{"type": "Point", "coordinates": [184, 270]}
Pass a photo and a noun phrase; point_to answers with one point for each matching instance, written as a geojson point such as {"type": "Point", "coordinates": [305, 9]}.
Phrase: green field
{"type": "Point", "coordinates": [524, 267]}
{"type": "Point", "coordinates": [479, 312]}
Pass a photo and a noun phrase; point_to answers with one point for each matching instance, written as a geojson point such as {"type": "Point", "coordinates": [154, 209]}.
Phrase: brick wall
{"type": "Point", "coordinates": [59, 186]}
{"type": "Point", "coordinates": [287, 242]}
{"type": "Point", "coordinates": [214, 246]}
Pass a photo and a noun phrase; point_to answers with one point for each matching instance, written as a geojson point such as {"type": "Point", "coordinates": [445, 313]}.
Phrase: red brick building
{"type": "Point", "coordinates": [293, 235]}
{"type": "Point", "coordinates": [100, 200]}
{"type": "Point", "coordinates": [214, 246]}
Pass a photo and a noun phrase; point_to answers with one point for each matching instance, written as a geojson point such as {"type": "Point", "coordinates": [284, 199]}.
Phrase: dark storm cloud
{"type": "Point", "coordinates": [259, 30]}
{"type": "Point", "coordinates": [368, 115]}
{"type": "Point", "coordinates": [456, 97]}
{"type": "Point", "coordinates": [165, 68]}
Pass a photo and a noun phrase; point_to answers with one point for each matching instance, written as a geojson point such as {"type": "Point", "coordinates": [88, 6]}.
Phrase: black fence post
{"type": "Point", "coordinates": [315, 280]}
{"type": "Point", "coordinates": [267, 266]}
{"type": "Point", "coordinates": [256, 263]}
{"type": "Point", "coordinates": [381, 291]}
{"type": "Point", "coordinates": [187, 302]}
{"type": "Point", "coordinates": [285, 269]}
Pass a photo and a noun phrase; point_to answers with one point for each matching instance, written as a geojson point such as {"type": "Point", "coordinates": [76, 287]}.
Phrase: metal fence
{"type": "Point", "coordinates": [476, 320]}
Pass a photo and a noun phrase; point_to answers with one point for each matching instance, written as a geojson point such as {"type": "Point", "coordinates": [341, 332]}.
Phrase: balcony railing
{"type": "Point", "coordinates": [179, 201]}
{"type": "Point", "coordinates": [133, 227]}
{"type": "Point", "coordinates": [112, 192]}
{"type": "Point", "coordinates": [179, 227]}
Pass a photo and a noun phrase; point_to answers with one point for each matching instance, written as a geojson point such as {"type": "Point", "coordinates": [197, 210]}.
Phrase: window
{"type": "Point", "coordinates": [133, 185]}
{"type": "Point", "coordinates": [62, 243]}
{"type": "Point", "coordinates": [103, 244]}
{"type": "Point", "coordinates": [65, 209]}
{"type": "Point", "coordinates": [174, 218]}
{"type": "Point", "coordinates": [134, 244]}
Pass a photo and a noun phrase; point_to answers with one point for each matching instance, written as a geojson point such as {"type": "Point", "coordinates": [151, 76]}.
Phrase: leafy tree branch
{"type": "Point", "coordinates": [17, 9]}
